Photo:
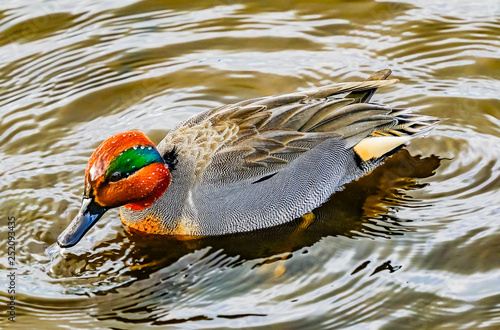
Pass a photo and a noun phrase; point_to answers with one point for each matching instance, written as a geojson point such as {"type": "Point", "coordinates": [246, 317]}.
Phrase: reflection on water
{"type": "Point", "coordinates": [412, 245]}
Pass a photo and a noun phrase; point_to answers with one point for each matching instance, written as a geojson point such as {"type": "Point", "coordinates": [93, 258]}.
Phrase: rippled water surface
{"type": "Point", "coordinates": [413, 245]}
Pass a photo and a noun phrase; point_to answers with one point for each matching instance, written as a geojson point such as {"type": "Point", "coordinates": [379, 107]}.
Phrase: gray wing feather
{"type": "Point", "coordinates": [276, 130]}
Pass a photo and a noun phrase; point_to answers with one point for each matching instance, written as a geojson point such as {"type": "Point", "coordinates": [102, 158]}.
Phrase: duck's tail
{"type": "Point", "coordinates": [374, 131]}
{"type": "Point", "coordinates": [386, 139]}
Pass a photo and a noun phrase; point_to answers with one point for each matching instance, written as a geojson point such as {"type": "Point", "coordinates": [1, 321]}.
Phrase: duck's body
{"type": "Point", "coordinates": [261, 162]}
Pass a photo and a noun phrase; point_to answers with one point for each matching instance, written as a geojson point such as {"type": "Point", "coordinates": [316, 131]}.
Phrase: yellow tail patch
{"type": "Point", "coordinates": [377, 146]}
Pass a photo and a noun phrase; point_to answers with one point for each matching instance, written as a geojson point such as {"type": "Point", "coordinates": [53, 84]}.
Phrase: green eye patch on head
{"type": "Point", "coordinates": [132, 160]}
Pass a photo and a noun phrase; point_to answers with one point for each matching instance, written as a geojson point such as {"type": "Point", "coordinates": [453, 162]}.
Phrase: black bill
{"type": "Point", "coordinates": [89, 213]}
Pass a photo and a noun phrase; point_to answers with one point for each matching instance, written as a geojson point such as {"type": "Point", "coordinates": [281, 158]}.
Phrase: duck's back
{"type": "Point", "coordinates": [266, 161]}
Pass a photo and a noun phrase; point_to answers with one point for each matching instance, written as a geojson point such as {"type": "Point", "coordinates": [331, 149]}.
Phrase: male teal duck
{"type": "Point", "coordinates": [245, 166]}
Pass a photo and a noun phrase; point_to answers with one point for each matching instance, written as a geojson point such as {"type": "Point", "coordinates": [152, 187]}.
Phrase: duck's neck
{"type": "Point", "coordinates": [173, 206]}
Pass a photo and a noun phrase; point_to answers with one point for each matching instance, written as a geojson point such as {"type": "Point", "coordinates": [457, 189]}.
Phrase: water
{"type": "Point", "coordinates": [413, 245]}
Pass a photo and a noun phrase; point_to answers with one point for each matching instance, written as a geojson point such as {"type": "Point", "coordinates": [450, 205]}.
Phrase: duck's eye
{"type": "Point", "coordinates": [115, 177]}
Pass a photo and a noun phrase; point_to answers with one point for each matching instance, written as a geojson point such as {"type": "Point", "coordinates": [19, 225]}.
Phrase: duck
{"type": "Point", "coordinates": [246, 166]}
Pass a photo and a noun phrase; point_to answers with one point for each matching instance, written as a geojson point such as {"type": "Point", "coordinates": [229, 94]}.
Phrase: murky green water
{"type": "Point", "coordinates": [413, 245]}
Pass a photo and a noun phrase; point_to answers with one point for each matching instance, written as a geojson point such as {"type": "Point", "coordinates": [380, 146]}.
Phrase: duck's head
{"type": "Point", "coordinates": [125, 170]}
